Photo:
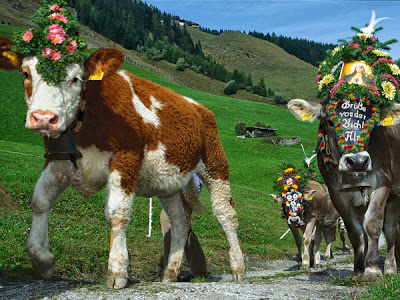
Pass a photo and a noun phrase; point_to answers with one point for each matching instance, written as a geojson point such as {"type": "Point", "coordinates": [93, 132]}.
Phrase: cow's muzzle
{"type": "Point", "coordinates": [295, 221]}
{"type": "Point", "coordinates": [355, 162]}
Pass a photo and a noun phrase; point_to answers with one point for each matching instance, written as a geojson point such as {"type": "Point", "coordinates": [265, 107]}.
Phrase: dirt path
{"type": "Point", "coordinates": [278, 279]}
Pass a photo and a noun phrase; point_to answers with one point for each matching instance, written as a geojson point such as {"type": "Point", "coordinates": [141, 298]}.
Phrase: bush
{"type": "Point", "coordinates": [262, 125]}
{"type": "Point", "coordinates": [280, 99]}
{"type": "Point", "coordinates": [240, 128]}
{"type": "Point", "coordinates": [180, 64]}
{"type": "Point", "coordinates": [231, 88]}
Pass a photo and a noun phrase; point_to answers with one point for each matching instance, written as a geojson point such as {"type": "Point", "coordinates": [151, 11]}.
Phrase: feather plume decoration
{"type": "Point", "coordinates": [371, 26]}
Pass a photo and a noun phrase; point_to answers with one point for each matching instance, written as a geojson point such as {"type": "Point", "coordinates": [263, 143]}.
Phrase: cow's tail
{"type": "Point", "coordinates": [191, 194]}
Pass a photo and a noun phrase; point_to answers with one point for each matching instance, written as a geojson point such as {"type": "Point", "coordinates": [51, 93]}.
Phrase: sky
{"type": "Point", "coordinates": [324, 21]}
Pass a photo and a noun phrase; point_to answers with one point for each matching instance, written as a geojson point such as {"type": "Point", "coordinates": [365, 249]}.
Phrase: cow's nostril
{"type": "Point", "coordinates": [53, 120]}
{"type": "Point", "coordinates": [350, 161]}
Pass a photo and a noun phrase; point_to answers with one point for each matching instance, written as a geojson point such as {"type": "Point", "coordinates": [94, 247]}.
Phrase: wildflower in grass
{"type": "Point", "coordinates": [389, 90]}
{"type": "Point", "coordinates": [27, 36]}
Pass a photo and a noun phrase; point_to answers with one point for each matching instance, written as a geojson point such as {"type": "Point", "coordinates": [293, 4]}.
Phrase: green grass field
{"type": "Point", "coordinates": [78, 232]}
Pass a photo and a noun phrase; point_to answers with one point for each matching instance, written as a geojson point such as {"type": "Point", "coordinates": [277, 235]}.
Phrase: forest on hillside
{"type": "Point", "coordinates": [308, 51]}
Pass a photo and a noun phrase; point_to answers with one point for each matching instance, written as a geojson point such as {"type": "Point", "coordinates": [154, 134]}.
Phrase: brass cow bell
{"type": "Point", "coordinates": [353, 181]}
{"type": "Point", "coordinates": [63, 148]}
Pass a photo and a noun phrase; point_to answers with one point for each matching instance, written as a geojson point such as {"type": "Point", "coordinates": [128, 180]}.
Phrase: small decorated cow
{"type": "Point", "coordinates": [134, 138]}
{"type": "Point", "coordinates": [309, 209]}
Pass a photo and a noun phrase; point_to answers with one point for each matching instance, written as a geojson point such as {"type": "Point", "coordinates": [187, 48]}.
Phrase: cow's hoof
{"type": "Point", "coordinates": [170, 276]}
{"type": "Point", "coordinates": [306, 268]}
{"type": "Point", "coordinates": [238, 277]}
{"type": "Point", "coordinates": [117, 283]}
{"type": "Point", "coordinates": [389, 271]}
{"type": "Point", "coordinates": [44, 264]}
{"type": "Point", "coordinates": [373, 273]}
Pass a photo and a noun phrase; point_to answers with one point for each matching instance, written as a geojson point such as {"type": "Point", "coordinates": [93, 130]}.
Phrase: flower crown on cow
{"type": "Point", "coordinates": [289, 180]}
{"type": "Point", "coordinates": [54, 39]}
{"type": "Point", "coordinates": [380, 81]}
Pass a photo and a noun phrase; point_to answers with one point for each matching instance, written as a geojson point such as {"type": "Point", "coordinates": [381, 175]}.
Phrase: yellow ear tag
{"type": "Point", "coordinates": [11, 55]}
{"type": "Point", "coordinates": [309, 198]}
{"type": "Point", "coordinates": [388, 121]}
{"type": "Point", "coordinates": [97, 75]}
{"type": "Point", "coordinates": [306, 116]}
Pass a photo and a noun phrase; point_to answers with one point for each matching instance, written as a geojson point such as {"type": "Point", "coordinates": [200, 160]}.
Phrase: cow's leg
{"type": "Point", "coordinates": [308, 235]}
{"type": "Point", "coordinates": [353, 225]}
{"type": "Point", "coordinates": [220, 198]}
{"type": "Point", "coordinates": [55, 178]}
{"type": "Point", "coordinates": [318, 238]}
{"type": "Point", "coordinates": [329, 235]}
{"type": "Point", "coordinates": [179, 220]}
{"type": "Point", "coordinates": [373, 224]}
{"type": "Point", "coordinates": [298, 240]}
{"type": "Point", "coordinates": [117, 213]}
{"type": "Point", "coordinates": [390, 229]}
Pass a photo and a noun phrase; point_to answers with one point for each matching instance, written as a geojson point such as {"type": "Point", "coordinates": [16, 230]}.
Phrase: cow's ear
{"type": "Point", "coordinates": [309, 195]}
{"type": "Point", "coordinates": [390, 116]}
{"type": "Point", "coordinates": [277, 198]}
{"type": "Point", "coordinates": [103, 63]}
{"type": "Point", "coordinates": [304, 110]}
{"type": "Point", "coordinates": [9, 60]}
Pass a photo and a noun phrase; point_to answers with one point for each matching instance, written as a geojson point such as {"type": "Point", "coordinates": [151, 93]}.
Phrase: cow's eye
{"type": "Point", "coordinates": [26, 75]}
{"type": "Point", "coordinates": [75, 80]}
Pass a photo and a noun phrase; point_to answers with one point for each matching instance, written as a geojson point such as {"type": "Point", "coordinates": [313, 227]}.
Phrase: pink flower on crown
{"type": "Point", "coordinates": [47, 52]}
{"type": "Point", "coordinates": [55, 55]}
{"type": "Point", "coordinates": [56, 29]}
{"type": "Point", "coordinates": [27, 36]}
{"type": "Point", "coordinates": [72, 46]}
{"type": "Point", "coordinates": [56, 16]}
{"type": "Point", "coordinates": [55, 7]}
{"type": "Point", "coordinates": [56, 38]}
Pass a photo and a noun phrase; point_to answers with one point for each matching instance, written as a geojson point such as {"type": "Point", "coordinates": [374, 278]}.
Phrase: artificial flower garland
{"type": "Point", "coordinates": [363, 47]}
{"type": "Point", "coordinates": [288, 184]}
{"type": "Point", "coordinates": [54, 39]}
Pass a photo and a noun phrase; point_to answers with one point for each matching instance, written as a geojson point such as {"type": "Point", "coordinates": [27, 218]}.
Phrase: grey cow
{"type": "Point", "coordinates": [318, 217]}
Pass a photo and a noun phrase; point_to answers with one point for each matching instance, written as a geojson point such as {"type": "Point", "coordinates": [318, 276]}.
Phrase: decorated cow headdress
{"type": "Point", "coordinates": [358, 79]}
{"type": "Point", "coordinates": [290, 185]}
{"type": "Point", "coordinates": [54, 39]}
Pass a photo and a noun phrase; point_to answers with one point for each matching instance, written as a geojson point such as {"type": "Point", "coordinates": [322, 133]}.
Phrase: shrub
{"type": "Point", "coordinates": [280, 99]}
{"type": "Point", "coordinates": [240, 128]}
{"type": "Point", "coordinates": [231, 88]}
{"type": "Point", "coordinates": [180, 64]}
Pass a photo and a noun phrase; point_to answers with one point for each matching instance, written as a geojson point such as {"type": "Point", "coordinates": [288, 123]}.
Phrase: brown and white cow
{"type": "Point", "coordinates": [137, 138]}
{"type": "Point", "coordinates": [365, 210]}
{"type": "Point", "coordinates": [318, 216]}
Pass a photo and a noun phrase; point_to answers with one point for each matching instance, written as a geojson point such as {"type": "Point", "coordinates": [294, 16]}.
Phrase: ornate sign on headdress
{"type": "Point", "coordinates": [54, 39]}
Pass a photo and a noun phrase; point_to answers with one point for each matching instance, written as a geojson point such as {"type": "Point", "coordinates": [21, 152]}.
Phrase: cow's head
{"type": "Point", "coordinates": [334, 142]}
{"type": "Point", "coordinates": [360, 85]}
{"type": "Point", "coordinates": [53, 107]}
{"type": "Point", "coordinates": [292, 201]}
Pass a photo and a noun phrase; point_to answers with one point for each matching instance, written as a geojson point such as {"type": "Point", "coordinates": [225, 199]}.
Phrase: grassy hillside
{"type": "Point", "coordinates": [282, 72]}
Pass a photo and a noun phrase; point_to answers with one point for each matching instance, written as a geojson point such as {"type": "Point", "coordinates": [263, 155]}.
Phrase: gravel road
{"type": "Point", "coordinates": [275, 279]}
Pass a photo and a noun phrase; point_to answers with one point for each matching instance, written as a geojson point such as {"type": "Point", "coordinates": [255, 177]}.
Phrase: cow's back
{"type": "Point", "coordinates": [321, 205]}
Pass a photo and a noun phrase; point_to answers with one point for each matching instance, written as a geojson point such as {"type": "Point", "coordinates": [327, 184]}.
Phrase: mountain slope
{"type": "Point", "coordinates": [282, 72]}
